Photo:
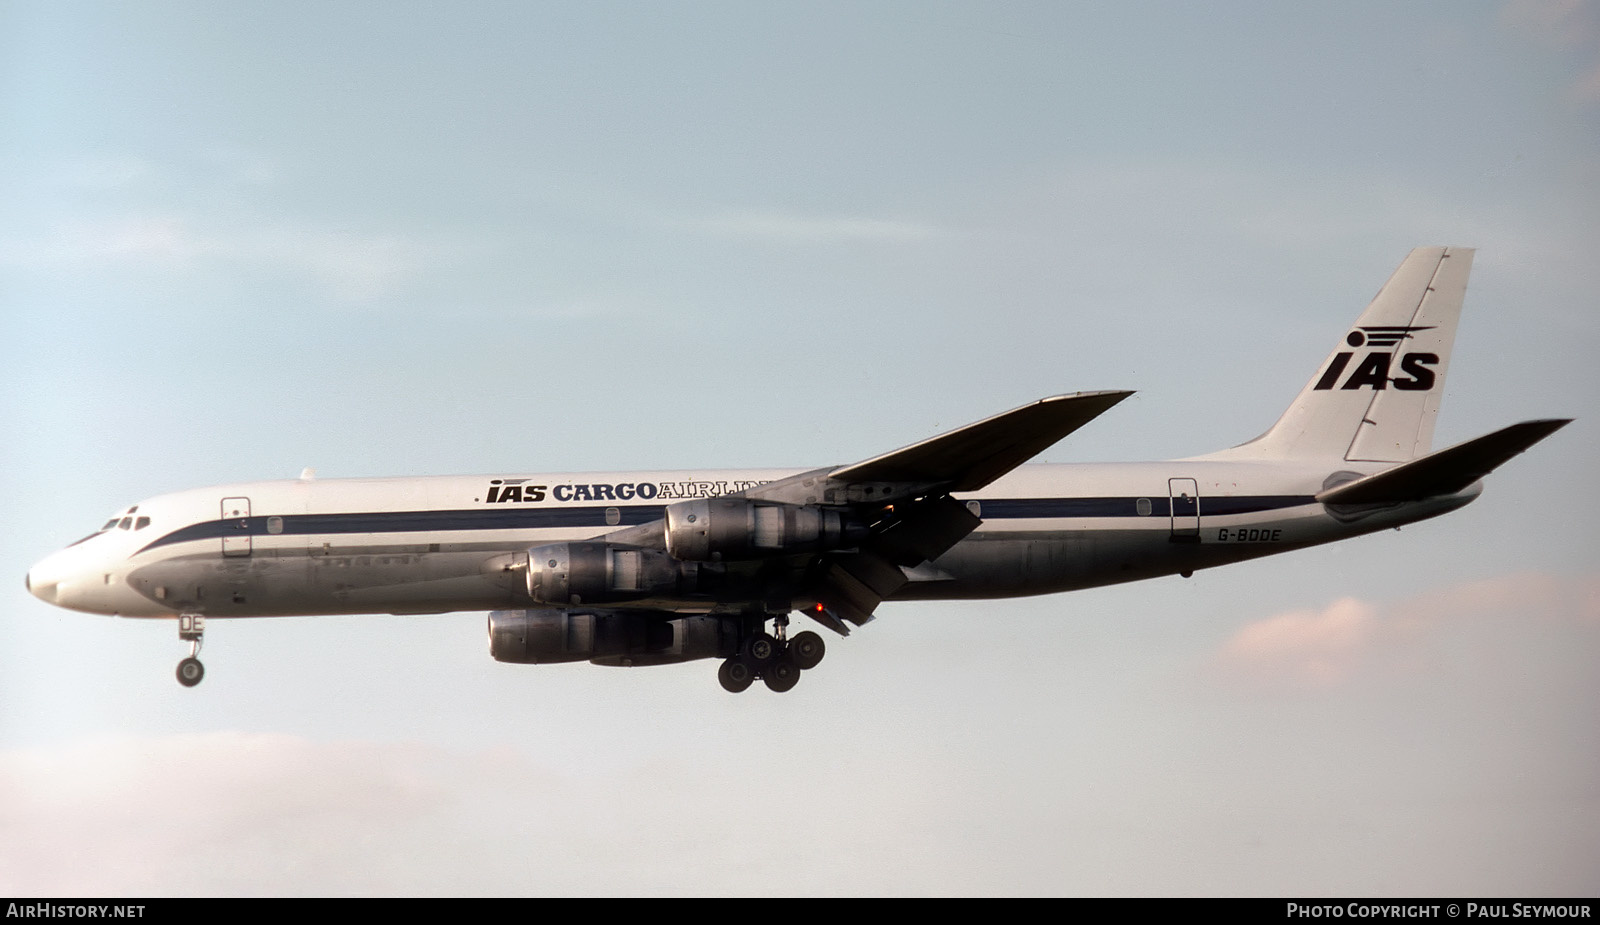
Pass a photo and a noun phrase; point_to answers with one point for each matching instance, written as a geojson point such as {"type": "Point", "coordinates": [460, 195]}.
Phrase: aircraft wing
{"type": "Point", "coordinates": [970, 457]}
{"type": "Point", "coordinates": [904, 496]}
{"type": "Point", "coordinates": [909, 488]}
{"type": "Point", "coordinates": [1445, 472]}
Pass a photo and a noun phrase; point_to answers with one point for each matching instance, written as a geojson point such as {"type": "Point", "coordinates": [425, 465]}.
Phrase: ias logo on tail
{"type": "Point", "coordinates": [1373, 369]}
{"type": "Point", "coordinates": [1381, 336]}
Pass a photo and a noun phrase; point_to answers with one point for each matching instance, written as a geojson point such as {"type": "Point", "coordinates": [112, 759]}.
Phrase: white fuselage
{"type": "Point", "coordinates": [430, 545]}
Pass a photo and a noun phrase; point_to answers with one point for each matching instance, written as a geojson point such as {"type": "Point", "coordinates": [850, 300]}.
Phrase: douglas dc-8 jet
{"type": "Point", "coordinates": [652, 568]}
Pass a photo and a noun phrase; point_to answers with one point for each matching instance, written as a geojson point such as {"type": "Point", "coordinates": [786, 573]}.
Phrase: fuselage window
{"type": "Point", "coordinates": [274, 524]}
{"type": "Point", "coordinates": [1143, 507]}
{"type": "Point", "coordinates": [975, 508]}
{"type": "Point", "coordinates": [613, 517]}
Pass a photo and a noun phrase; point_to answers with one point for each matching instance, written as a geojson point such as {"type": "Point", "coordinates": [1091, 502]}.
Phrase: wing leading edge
{"type": "Point", "coordinates": [970, 457]}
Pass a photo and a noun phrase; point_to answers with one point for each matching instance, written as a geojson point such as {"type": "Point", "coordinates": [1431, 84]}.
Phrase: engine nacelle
{"type": "Point", "coordinates": [605, 573]}
{"type": "Point", "coordinates": [539, 637]}
{"type": "Point", "coordinates": [714, 529]}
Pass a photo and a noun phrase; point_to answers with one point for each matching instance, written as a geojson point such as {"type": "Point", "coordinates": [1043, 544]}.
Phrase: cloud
{"type": "Point", "coordinates": [1559, 23]}
{"type": "Point", "coordinates": [815, 228]}
{"type": "Point", "coordinates": [234, 813]}
{"type": "Point", "coordinates": [119, 214]}
{"type": "Point", "coordinates": [75, 243]}
{"type": "Point", "coordinates": [229, 813]}
{"type": "Point", "coordinates": [1351, 639]}
{"type": "Point", "coordinates": [1304, 647]}
{"type": "Point", "coordinates": [612, 204]}
{"type": "Point", "coordinates": [1568, 26]}
{"type": "Point", "coordinates": [351, 265]}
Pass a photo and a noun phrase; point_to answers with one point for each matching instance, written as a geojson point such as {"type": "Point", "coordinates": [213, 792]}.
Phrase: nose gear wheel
{"type": "Point", "coordinates": [191, 629]}
{"type": "Point", "coordinates": [190, 672]}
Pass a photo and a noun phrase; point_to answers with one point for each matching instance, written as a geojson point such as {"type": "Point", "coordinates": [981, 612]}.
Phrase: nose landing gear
{"type": "Point", "coordinates": [191, 629]}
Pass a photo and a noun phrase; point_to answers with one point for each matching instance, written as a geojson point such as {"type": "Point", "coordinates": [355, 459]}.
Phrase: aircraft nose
{"type": "Point", "coordinates": [43, 581]}
{"type": "Point", "coordinates": [44, 591]}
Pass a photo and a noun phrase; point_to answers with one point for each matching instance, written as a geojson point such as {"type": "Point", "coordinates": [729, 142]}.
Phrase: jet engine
{"type": "Point", "coordinates": [605, 573]}
{"type": "Point", "coordinates": [716, 529]}
{"type": "Point", "coordinates": [533, 637]}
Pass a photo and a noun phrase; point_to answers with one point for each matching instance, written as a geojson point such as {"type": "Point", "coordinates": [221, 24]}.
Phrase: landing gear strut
{"type": "Point", "coordinates": [775, 659]}
{"type": "Point", "coordinates": [191, 629]}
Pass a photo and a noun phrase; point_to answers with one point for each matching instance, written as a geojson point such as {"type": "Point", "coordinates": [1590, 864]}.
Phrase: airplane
{"type": "Point", "coordinates": [652, 568]}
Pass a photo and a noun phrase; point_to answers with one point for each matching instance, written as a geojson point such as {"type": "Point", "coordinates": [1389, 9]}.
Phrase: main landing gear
{"type": "Point", "coordinates": [191, 629]}
{"type": "Point", "coordinates": [776, 660]}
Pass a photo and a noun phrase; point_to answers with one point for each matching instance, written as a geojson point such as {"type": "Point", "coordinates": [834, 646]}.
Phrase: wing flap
{"type": "Point", "coordinates": [1445, 472]}
{"type": "Point", "coordinates": [853, 587]}
{"type": "Point", "coordinates": [929, 528]}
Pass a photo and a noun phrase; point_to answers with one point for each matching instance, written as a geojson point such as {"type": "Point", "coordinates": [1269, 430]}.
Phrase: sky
{"type": "Point", "coordinates": [413, 239]}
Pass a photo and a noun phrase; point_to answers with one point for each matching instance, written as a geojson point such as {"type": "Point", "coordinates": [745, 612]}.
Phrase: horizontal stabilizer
{"type": "Point", "coordinates": [1445, 472]}
{"type": "Point", "coordinates": [971, 457]}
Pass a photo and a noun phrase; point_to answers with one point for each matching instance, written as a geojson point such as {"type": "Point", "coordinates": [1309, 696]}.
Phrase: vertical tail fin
{"type": "Point", "coordinates": [1376, 397]}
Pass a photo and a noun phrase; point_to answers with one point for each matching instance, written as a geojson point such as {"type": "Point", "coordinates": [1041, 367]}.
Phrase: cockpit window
{"type": "Point", "coordinates": [120, 522]}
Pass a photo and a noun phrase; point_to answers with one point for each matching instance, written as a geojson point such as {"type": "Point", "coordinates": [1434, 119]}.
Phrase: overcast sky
{"type": "Point", "coordinates": [408, 239]}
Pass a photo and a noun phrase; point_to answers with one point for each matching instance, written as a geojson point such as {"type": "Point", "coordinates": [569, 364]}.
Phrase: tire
{"type": "Point", "coordinates": [760, 649]}
{"type": "Point", "coordinates": [190, 672]}
{"type": "Point", "coordinates": [735, 676]}
{"type": "Point", "coordinates": [782, 675]}
{"type": "Point", "coordinates": [807, 650]}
